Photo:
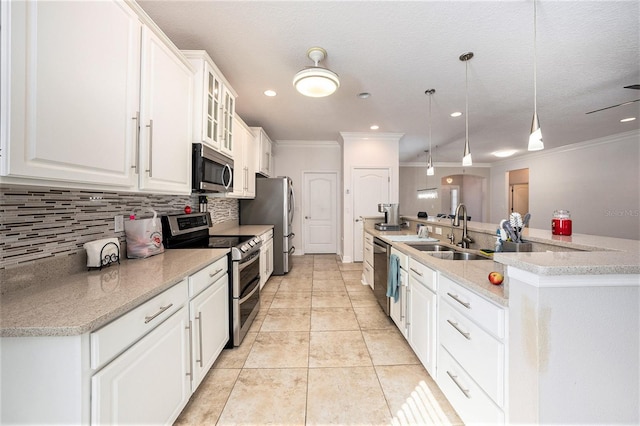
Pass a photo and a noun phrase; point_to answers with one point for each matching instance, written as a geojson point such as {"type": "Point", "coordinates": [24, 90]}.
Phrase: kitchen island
{"type": "Point", "coordinates": [572, 348]}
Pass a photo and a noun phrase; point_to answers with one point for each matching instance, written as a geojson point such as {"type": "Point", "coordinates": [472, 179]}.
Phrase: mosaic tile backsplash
{"type": "Point", "coordinates": [41, 222]}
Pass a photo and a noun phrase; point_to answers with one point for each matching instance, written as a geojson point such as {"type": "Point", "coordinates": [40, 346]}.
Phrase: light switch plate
{"type": "Point", "coordinates": [439, 231]}
{"type": "Point", "coordinates": [118, 223]}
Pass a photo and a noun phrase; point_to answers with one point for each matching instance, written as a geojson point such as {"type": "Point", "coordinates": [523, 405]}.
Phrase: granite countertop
{"type": "Point", "coordinates": [470, 273]}
{"type": "Point", "coordinates": [82, 302]}
{"type": "Point", "coordinates": [585, 254]}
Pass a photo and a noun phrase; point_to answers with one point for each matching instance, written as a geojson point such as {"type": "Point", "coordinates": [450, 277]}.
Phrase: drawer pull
{"type": "Point", "coordinates": [215, 273]}
{"type": "Point", "coordinates": [454, 378]}
{"type": "Point", "coordinates": [417, 272]}
{"type": "Point", "coordinates": [190, 372]}
{"type": "Point", "coordinates": [199, 318]}
{"type": "Point", "coordinates": [455, 325]}
{"type": "Point", "coordinates": [162, 309]}
{"type": "Point", "coordinates": [455, 297]}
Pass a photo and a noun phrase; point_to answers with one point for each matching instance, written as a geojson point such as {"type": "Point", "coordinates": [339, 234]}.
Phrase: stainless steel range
{"type": "Point", "coordinates": [192, 231]}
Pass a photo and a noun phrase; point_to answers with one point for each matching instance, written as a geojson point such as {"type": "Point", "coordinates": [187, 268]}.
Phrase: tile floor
{"type": "Point", "coordinates": [321, 351]}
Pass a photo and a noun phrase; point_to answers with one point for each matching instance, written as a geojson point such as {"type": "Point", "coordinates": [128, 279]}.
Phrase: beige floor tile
{"type": "Point", "coordinates": [330, 299]}
{"type": "Point", "coordinates": [338, 349]}
{"type": "Point", "coordinates": [296, 284]}
{"type": "Point", "coordinates": [325, 319]}
{"type": "Point", "coordinates": [296, 299]}
{"type": "Point", "coordinates": [372, 317]}
{"type": "Point", "coordinates": [327, 275]}
{"type": "Point", "coordinates": [333, 285]}
{"type": "Point", "coordinates": [362, 299]}
{"type": "Point", "coordinates": [346, 396]}
{"type": "Point", "coordinates": [271, 286]}
{"type": "Point", "coordinates": [287, 320]}
{"type": "Point", "coordinates": [236, 357]}
{"type": "Point", "coordinates": [353, 286]}
{"type": "Point", "coordinates": [357, 266]}
{"type": "Point", "coordinates": [326, 257]}
{"type": "Point", "coordinates": [207, 402]}
{"type": "Point", "coordinates": [389, 347]}
{"type": "Point", "coordinates": [266, 299]}
{"type": "Point", "coordinates": [256, 325]}
{"type": "Point", "coordinates": [267, 396]}
{"type": "Point", "coordinates": [351, 275]}
{"type": "Point", "coordinates": [409, 388]}
{"type": "Point", "coordinates": [279, 349]}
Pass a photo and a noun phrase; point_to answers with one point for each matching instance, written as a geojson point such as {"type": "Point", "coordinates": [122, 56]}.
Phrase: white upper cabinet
{"type": "Point", "coordinates": [265, 159]}
{"type": "Point", "coordinates": [213, 104]}
{"type": "Point", "coordinates": [95, 95]}
{"type": "Point", "coordinates": [165, 117]}
{"type": "Point", "coordinates": [71, 91]}
{"type": "Point", "coordinates": [244, 168]}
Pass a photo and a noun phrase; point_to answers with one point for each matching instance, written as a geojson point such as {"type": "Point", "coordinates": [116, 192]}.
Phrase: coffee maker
{"type": "Point", "coordinates": [391, 217]}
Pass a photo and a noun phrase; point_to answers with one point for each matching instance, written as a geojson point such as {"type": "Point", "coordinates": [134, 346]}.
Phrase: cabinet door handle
{"type": "Point", "coordinates": [150, 169]}
{"type": "Point", "coordinates": [213, 274]}
{"type": "Point", "coordinates": [137, 120]}
{"type": "Point", "coordinates": [416, 272]}
{"type": "Point", "coordinates": [455, 325]}
{"type": "Point", "coordinates": [190, 372]}
{"type": "Point", "coordinates": [455, 380]}
{"type": "Point", "coordinates": [162, 309]}
{"type": "Point", "coordinates": [199, 318]}
{"type": "Point", "coordinates": [455, 297]}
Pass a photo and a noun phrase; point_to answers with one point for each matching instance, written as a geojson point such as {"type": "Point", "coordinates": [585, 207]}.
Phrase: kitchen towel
{"type": "Point", "coordinates": [393, 279]}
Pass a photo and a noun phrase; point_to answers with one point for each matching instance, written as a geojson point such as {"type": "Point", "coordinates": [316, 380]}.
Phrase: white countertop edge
{"type": "Point", "coordinates": [572, 281]}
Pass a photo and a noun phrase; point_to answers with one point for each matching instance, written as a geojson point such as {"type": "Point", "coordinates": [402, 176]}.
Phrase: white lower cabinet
{"type": "Point", "coordinates": [209, 313]}
{"type": "Point", "coordinates": [266, 257]}
{"type": "Point", "coordinates": [368, 259]}
{"type": "Point", "coordinates": [423, 314]}
{"type": "Point", "coordinates": [472, 353]}
{"type": "Point", "coordinates": [398, 309]}
{"type": "Point", "coordinates": [148, 383]}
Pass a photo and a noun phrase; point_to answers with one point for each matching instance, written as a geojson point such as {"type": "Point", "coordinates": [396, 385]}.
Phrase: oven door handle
{"type": "Point", "coordinates": [257, 287]}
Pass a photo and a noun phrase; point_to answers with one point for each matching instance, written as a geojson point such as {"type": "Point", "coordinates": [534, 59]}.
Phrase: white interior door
{"type": "Point", "coordinates": [320, 215]}
{"type": "Point", "coordinates": [519, 195]}
{"type": "Point", "coordinates": [370, 188]}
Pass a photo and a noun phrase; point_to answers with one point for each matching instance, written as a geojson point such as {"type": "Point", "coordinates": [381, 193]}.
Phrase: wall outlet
{"type": "Point", "coordinates": [439, 231]}
{"type": "Point", "coordinates": [118, 223]}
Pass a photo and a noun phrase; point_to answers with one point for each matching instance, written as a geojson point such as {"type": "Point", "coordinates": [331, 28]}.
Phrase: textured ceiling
{"type": "Point", "coordinates": [586, 53]}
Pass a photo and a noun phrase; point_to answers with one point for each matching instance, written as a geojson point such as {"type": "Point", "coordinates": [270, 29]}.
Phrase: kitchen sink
{"type": "Point", "coordinates": [458, 255]}
{"type": "Point", "coordinates": [431, 247]}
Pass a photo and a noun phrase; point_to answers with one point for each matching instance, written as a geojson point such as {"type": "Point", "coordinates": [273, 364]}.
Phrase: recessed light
{"type": "Point", "coordinates": [455, 114]}
{"type": "Point", "coordinates": [364, 95]}
{"type": "Point", "coordinates": [625, 120]}
{"type": "Point", "coordinates": [374, 127]}
{"type": "Point", "coordinates": [270, 93]}
{"type": "Point", "coordinates": [504, 153]}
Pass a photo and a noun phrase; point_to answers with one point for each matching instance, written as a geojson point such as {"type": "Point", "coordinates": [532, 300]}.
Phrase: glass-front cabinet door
{"type": "Point", "coordinates": [228, 111]}
{"type": "Point", "coordinates": [211, 129]}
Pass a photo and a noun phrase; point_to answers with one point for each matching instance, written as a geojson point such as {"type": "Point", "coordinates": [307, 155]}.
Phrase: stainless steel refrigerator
{"type": "Point", "coordinates": [274, 205]}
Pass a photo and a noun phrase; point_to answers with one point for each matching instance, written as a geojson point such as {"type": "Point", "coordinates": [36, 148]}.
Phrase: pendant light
{"type": "Point", "coordinates": [466, 156]}
{"type": "Point", "coordinates": [316, 82]}
{"type": "Point", "coordinates": [429, 193]}
{"type": "Point", "coordinates": [430, 169]}
{"type": "Point", "coordinates": [535, 138]}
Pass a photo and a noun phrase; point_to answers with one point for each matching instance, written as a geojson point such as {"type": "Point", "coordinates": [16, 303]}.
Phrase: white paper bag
{"type": "Point", "coordinates": [144, 237]}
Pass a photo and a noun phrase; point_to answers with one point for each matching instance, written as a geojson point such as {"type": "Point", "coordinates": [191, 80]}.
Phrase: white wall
{"type": "Point", "coordinates": [293, 158]}
{"type": "Point", "coordinates": [597, 181]}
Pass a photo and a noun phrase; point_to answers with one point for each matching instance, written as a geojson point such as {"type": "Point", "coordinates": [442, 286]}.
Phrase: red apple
{"type": "Point", "coordinates": [187, 209]}
{"type": "Point", "coordinates": [495, 278]}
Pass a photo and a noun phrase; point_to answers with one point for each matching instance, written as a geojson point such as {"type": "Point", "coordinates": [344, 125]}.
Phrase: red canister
{"type": "Point", "coordinates": [561, 222]}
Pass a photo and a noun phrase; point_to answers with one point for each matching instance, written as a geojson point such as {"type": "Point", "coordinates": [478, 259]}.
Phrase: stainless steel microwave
{"type": "Point", "coordinates": [212, 171]}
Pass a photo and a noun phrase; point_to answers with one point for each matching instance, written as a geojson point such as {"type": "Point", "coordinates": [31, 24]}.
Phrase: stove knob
{"type": "Point", "coordinates": [252, 243]}
{"type": "Point", "coordinates": [244, 248]}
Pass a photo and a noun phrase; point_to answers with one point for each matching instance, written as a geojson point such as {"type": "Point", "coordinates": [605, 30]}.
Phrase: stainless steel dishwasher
{"type": "Point", "coordinates": [381, 253]}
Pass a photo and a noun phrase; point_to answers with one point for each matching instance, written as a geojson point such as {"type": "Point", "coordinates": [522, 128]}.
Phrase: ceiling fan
{"type": "Point", "coordinates": [633, 86]}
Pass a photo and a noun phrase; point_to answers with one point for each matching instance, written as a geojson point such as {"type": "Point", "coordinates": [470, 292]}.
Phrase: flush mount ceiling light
{"type": "Point", "coordinates": [315, 81]}
{"type": "Point", "coordinates": [535, 138]}
{"type": "Point", "coordinates": [455, 114]}
{"type": "Point", "coordinates": [626, 120]}
{"type": "Point", "coordinates": [270, 93]}
{"type": "Point", "coordinates": [505, 153]}
{"type": "Point", "coordinates": [466, 156]}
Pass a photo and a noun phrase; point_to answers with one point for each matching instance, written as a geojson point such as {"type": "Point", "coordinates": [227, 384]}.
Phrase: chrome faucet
{"type": "Point", "coordinates": [466, 239]}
